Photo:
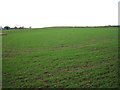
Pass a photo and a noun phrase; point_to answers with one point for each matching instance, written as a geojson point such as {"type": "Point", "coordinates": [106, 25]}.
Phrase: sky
{"type": "Point", "coordinates": [47, 13]}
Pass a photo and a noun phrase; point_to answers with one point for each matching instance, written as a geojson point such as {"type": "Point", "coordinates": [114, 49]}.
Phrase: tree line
{"type": "Point", "coordinates": [7, 28]}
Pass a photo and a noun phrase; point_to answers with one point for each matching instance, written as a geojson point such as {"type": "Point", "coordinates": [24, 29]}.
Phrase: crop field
{"type": "Point", "coordinates": [60, 58]}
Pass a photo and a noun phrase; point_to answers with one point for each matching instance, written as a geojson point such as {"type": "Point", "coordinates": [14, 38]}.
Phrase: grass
{"type": "Point", "coordinates": [0, 60]}
{"type": "Point", "coordinates": [61, 58]}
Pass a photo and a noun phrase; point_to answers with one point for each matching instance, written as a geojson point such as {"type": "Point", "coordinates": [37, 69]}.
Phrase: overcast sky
{"type": "Point", "coordinates": [45, 13]}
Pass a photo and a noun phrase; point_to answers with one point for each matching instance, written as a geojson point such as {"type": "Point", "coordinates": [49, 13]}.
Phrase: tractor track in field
{"type": "Point", "coordinates": [86, 66]}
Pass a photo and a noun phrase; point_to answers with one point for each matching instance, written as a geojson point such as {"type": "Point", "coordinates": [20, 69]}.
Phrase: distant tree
{"type": "Point", "coordinates": [21, 27]}
{"type": "Point", "coordinates": [15, 27]}
{"type": "Point", "coordinates": [6, 27]}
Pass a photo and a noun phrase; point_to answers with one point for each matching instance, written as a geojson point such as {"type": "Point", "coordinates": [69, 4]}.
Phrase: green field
{"type": "Point", "coordinates": [60, 58]}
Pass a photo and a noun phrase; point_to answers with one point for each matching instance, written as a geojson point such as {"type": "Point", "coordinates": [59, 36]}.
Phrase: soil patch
{"type": "Point", "coordinates": [3, 34]}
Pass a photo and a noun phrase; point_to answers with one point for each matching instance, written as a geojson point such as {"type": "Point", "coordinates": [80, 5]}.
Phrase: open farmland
{"type": "Point", "coordinates": [60, 58]}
